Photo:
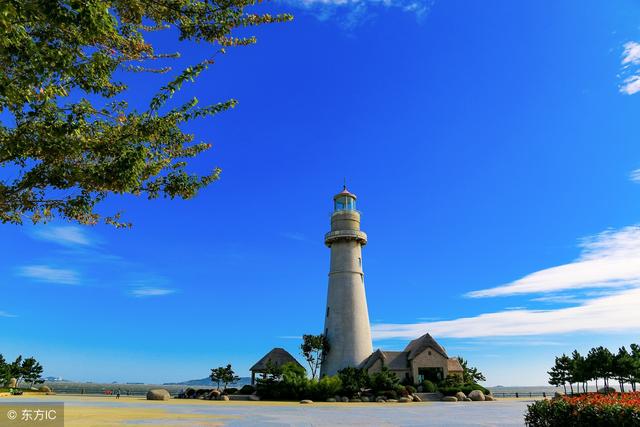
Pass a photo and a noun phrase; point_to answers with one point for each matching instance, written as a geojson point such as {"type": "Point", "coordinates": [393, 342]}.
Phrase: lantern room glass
{"type": "Point", "coordinates": [345, 203]}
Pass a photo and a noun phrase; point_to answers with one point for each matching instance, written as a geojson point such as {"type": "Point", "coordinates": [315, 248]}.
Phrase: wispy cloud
{"type": "Point", "coordinates": [48, 274]}
{"type": "Point", "coordinates": [290, 337]}
{"type": "Point", "coordinates": [635, 176]}
{"type": "Point", "coordinates": [150, 292]}
{"type": "Point", "coordinates": [63, 235]}
{"type": "Point", "coordinates": [609, 259]}
{"type": "Point", "coordinates": [352, 13]}
{"type": "Point", "coordinates": [616, 313]}
{"type": "Point", "coordinates": [609, 262]}
{"type": "Point", "coordinates": [630, 63]}
{"type": "Point", "coordinates": [5, 314]}
{"type": "Point", "coordinates": [291, 235]}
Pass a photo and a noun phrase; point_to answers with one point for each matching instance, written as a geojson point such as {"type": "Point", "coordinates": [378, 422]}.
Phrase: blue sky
{"type": "Point", "coordinates": [494, 150]}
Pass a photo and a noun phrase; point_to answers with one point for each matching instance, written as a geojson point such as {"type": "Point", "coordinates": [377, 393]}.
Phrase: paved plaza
{"type": "Point", "coordinates": [85, 411]}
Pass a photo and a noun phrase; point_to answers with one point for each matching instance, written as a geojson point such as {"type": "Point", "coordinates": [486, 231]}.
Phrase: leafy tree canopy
{"type": "Point", "coordinates": [68, 134]}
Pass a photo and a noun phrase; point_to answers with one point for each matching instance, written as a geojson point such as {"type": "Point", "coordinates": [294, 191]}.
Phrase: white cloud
{"type": "Point", "coordinates": [5, 314]}
{"type": "Point", "coordinates": [151, 292]}
{"type": "Point", "coordinates": [630, 62]}
{"type": "Point", "coordinates": [45, 273]}
{"type": "Point", "coordinates": [616, 313]}
{"type": "Point", "coordinates": [63, 235]}
{"type": "Point", "coordinates": [631, 54]}
{"type": "Point", "coordinates": [609, 259]}
{"type": "Point", "coordinates": [630, 85]}
{"type": "Point", "coordinates": [351, 13]}
{"type": "Point", "coordinates": [635, 176]}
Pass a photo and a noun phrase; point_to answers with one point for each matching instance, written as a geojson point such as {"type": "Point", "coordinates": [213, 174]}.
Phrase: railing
{"type": "Point", "coordinates": [519, 394]}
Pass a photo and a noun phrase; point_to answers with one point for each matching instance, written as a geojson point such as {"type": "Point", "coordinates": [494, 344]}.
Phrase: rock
{"type": "Point", "coordinates": [44, 389]}
{"type": "Point", "coordinates": [449, 399]}
{"type": "Point", "coordinates": [380, 399]}
{"type": "Point", "coordinates": [344, 399]}
{"type": "Point", "coordinates": [489, 398]}
{"type": "Point", "coordinates": [466, 399]}
{"type": "Point", "coordinates": [364, 399]}
{"type": "Point", "coordinates": [355, 399]}
{"type": "Point", "coordinates": [405, 400]}
{"type": "Point", "coordinates": [331, 399]}
{"type": "Point", "coordinates": [476, 395]}
{"type": "Point", "coordinates": [12, 383]}
{"type": "Point", "coordinates": [224, 397]}
{"type": "Point", "coordinates": [306, 401]}
{"type": "Point", "coordinates": [392, 400]}
{"type": "Point", "coordinates": [214, 394]}
{"type": "Point", "coordinates": [606, 390]}
{"type": "Point", "coordinates": [416, 398]}
{"type": "Point", "coordinates": [557, 395]}
{"type": "Point", "coordinates": [460, 396]}
{"type": "Point", "coordinates": [158, 394]}
{"type": "Point", "coordinates": [254, 397]}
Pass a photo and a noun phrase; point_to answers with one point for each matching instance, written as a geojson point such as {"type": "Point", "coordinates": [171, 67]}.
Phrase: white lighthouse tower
{"type": "Point", "coordinates": [347, 325]}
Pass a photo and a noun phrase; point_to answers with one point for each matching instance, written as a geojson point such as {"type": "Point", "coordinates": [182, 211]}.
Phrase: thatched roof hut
{"type": "Point", "coordinates": [276, 357]}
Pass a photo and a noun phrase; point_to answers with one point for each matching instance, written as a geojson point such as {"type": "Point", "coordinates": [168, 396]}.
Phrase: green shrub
{"type": "Point", "coordinates": [326, 387]}
{"type": "Point", "coordinates": [561, 413]}
{"type": "Point", "coordinates": [410, 389]}
{"type": "Point", "coordinates": [465, 388]}
{"type": "Point", "coordinates": [384, 380]}
{"type": "Point", "coordinates": [429, 387]}
{"type": "Point", "coordinates": [353, 380]}
{"type": "Point", "coordinates": [247, 389]}
{"type": "Point", "coordinates": [230, 390]}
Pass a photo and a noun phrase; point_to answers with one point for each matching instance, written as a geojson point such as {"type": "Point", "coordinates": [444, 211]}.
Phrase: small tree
{"type": "Point", "coordinates": [314, 348]}
{"type": "Point", "coordinates": [229, 376]}
{"type": "Point", "coordinates": [224, 375]}
{"type": "Point", "coordinates": [15, 370]}
{"type": "Point", "coordinates": [354, 380]}
{"type": "Point", "coordinates": [4, 371]}
{"type": "Point", "coordinates": [31, 371]}
{"type": "Point", "coordinates": [470, 374]}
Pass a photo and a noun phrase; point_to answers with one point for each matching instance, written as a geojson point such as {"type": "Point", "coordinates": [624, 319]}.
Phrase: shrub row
{"type": "Point", "coordinates": [615, 409]}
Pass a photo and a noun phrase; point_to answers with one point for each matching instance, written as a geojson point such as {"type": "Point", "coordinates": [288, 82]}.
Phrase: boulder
{"type": "Point", "coordinates": [476, 395]}
{"type": "Point", "coordinates": [44, 389]}
{"type": "Point", "coordinates": [331, 399]}
{"type": "Point", "coordinates": [557, 395]}
{"type": "Point", "coordinates": [466, 399]}
{"type": "Point", "coordinates": [306, 401]}
{"type": "Point", "coordinates": [254, 397]}
{"type": "Point", "coordinates": [12, 383]}
{"type": "Point", "coordinates": [405, 400]}
{"type": "Point", "coordinates": [460, 396]}
{"type": "Point", "coordinates": [380, 399]}
{"type": "Point", "coordinates": [416, 398]}
{"type": "Point", "coordinates": [449, 399]}
{"type": "Point", "coordinates": [489, 398]}
{"type": "Point", "coordinates": [158, 394]}
{"type": "Point", "coordinates": [224, 397]}
{"type": "Point", "coordinates": [364, 399]}
{"type": "Point", "coordinates": [606, 390]}
{"type": "Point", "coordinates": [392, 400]}
{"type": "Point", "coordinates": [344, 399]}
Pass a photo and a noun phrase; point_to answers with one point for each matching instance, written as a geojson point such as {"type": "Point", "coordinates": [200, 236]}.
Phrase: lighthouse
{"type": "Point", "coordinates": [347, 327]}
